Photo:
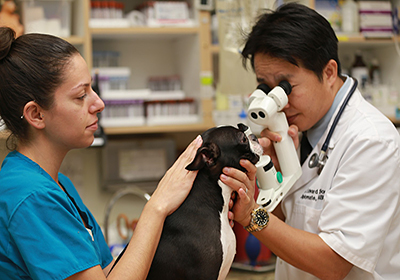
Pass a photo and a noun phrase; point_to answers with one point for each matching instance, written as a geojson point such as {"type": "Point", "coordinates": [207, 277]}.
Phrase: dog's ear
{"type": "Point", "coordinates": [206, 155]}
{"type": "Point", "coordinates": [242, 127]}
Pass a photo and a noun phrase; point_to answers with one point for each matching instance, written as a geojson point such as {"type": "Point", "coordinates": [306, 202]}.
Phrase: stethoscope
{"type": "Point", "coordinates": [320, 160]}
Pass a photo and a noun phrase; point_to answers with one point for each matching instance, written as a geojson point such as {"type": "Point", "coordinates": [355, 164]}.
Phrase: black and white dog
{"type": "Point", "coordinates": [197, 241]}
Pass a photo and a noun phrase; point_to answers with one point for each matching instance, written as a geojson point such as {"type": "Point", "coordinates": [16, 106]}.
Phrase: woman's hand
{"type": "Point", "coordinates": [244, 185]}
{"type": "Point", "coordinates": [268, 137]}
{"type": "Point", "coordinates": [177, 182]}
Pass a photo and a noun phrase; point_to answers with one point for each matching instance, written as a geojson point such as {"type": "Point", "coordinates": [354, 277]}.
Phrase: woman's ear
{"type": "Point", "coordinates": [33, 114]}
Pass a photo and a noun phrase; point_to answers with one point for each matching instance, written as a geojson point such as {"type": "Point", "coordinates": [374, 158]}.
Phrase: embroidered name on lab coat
{"type": "Point", "coordinates": [313, 194]}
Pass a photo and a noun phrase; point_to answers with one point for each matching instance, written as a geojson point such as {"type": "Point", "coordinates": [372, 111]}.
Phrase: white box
{"type": "Point", "coordinates": [374, 6]}
{"type": "Point", "coordinates": [375, 20]}
{"type": "Point", "coordinates": [166, 13]}
{"type": "Point", "coordinates": [47, 16]}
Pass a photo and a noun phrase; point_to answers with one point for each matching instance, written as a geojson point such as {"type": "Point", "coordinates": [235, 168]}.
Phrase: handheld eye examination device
{"type": "Point", "coordinates": [265, 109]}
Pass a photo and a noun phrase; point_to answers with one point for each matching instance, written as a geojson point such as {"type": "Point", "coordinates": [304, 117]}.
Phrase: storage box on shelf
{"type": "Point", "coordinates": [63, 18]}
{"type": "Point", "coordinates": [376, 19]}
{"type": "Point", "coordinates": [166, 13]}
{"type": "Point", "coordinates": [47, 16]}
{"type": "Point", "coordinates": [110, 14]}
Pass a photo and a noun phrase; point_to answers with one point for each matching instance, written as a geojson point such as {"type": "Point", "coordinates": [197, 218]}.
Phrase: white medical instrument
{"type": "Point", "coordinates": [320, 160]}
{"type": "Point", "coordinates": [265, 109]}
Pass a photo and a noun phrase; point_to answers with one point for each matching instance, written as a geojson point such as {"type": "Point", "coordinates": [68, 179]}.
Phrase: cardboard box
{"type": "Point", "coordinates": [47, 16]}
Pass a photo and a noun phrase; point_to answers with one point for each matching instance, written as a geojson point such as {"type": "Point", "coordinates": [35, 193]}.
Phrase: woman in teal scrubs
{"type": "Point", "coordinates": [46, 231]}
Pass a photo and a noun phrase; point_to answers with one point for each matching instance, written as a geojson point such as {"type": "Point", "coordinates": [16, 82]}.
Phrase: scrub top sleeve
{"type": "Point", "coordinates": [363, 198]}
{"type": "Point", "coordinates": [51, 238]}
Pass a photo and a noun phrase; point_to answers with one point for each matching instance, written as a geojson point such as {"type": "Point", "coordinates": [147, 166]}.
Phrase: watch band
{"type": "Point", "coordinates": [255, 224]}
{"type": "Point", "coordinates": [252, 227]}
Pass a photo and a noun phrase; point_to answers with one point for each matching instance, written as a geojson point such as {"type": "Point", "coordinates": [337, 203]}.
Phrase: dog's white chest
{"type": "Point", "coordinates": [228, 238]}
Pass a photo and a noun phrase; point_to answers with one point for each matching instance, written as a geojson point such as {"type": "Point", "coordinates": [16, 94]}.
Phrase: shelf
{"type": "Point", "coordinates": [143, 32]}
{"type": "Point", "coordinates": [350, 40]}
{"type": "Point", "coordinates": [157, 129]}
{"type": "Point", "coordinates": [75, 40]}
{"type": "Point", "coordinates": [360, 39]}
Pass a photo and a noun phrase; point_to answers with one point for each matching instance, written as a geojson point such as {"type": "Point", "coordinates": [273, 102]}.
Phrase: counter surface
{"type": "Point", "coordinates": [236, 274]}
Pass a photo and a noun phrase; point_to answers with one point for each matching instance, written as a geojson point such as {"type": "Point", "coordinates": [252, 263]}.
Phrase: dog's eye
{"type": "Point", "coordinates": [244, 139]}
{"type": "Point", "coordinates": [253, 138]}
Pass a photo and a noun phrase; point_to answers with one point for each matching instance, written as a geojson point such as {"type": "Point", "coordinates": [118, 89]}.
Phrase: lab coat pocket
{"type": "Point", "coordinates": [305, 218]}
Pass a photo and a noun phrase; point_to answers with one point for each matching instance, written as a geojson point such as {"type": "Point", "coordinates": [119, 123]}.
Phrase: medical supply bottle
{"type": "Point", "coordinates": [350, 17]}
{"type": "Point", "coordinates": [374, 72]}
{"type": "Point", "coordinates": [359, 70]}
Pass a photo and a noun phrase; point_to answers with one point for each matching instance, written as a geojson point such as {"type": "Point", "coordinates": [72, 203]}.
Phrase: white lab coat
{"type": "Point", "coordinates": [354, 204]}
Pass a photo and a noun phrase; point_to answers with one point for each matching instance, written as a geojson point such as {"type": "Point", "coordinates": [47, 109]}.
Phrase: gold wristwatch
{"type": "Point", "coordinates": [259, 220]}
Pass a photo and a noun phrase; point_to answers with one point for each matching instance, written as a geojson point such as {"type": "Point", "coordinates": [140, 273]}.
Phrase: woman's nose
{"type": "Point", "coordinates": [97, 105]}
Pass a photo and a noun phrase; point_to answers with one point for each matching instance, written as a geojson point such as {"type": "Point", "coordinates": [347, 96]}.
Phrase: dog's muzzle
{"type": "Point", "coordinates": [255, 145]}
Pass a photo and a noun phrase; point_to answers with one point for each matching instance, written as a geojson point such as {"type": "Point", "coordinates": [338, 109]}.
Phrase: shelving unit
{"type": "Point", "coordinates": [160, 51]}
{"type": "Point", "coordinates": [360, 39]}
{"type": "Point", "coordinates": [185, 51]}
{"type": "Point", "coordinates": [383, 49]}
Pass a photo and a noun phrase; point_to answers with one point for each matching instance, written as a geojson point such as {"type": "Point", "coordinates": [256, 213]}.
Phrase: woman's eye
{"type": "Point", "coordinates": [83, 96]}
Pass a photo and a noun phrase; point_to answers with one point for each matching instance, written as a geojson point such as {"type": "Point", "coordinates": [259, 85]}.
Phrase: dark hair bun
{"type": "Point", "coordinates": [7, 37]}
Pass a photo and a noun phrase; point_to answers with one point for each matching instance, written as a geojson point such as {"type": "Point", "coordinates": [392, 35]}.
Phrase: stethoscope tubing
{"type": "Point", "coordinates": [338, 115]}
{"type": "Point", "coordinates": [320, 160]}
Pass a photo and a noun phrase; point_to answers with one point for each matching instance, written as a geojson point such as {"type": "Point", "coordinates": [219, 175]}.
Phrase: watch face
{"type": "Point", "coordinates": [261, 217]}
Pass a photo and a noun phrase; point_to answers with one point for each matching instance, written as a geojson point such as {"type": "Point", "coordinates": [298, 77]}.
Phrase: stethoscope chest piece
{"type": "Point", "coordinates": [313, 161]}
{"type": "Point", "coordinates": [318, 161]}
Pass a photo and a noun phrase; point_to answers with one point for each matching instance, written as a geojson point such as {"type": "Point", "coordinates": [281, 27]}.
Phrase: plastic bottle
{"type": "Point", "coordinates": [359, 70]}
{"type": "Point", "coordinates": [374, 72]}
{"type": "Point", "coordinates": [96, 83]}
{"type": "Point", "coordinates": [350, 17]}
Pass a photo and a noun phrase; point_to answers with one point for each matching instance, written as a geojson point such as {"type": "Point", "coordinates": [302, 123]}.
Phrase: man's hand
{"type": "Point", "coordinates": [268, 137]}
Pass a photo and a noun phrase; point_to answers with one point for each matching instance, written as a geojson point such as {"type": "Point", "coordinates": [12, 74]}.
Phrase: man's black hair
{"type": "Point", "coordinates": [295, 33]}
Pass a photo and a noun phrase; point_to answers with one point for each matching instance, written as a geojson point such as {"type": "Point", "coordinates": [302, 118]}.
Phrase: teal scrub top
{"type": "Point", "coordinates": [42, 235]}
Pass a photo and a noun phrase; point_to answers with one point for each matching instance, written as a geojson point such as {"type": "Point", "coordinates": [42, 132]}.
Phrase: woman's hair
{"type": "Point", "coordinates": [296, 34]}
{"type": "Point", "coordinates": [31, 69]}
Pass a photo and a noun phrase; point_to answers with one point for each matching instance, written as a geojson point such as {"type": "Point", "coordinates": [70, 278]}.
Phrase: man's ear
{"type": "Point", "coordinates": [33, 114]}
{"type": "Point", "coordinates": [205, 156]}
{"type": "Point", "coordinates": [330, 72]}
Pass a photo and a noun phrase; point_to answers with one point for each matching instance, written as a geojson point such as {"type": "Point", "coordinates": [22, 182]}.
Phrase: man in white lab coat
{"type": "Point", "coordinates": [343, 223]}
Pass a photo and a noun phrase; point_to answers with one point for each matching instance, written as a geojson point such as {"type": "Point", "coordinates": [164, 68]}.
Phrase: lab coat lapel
{"type": "Point", "coordinates": [344, 121]}
{"type": "Point", "coordinates": [308, 173]}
